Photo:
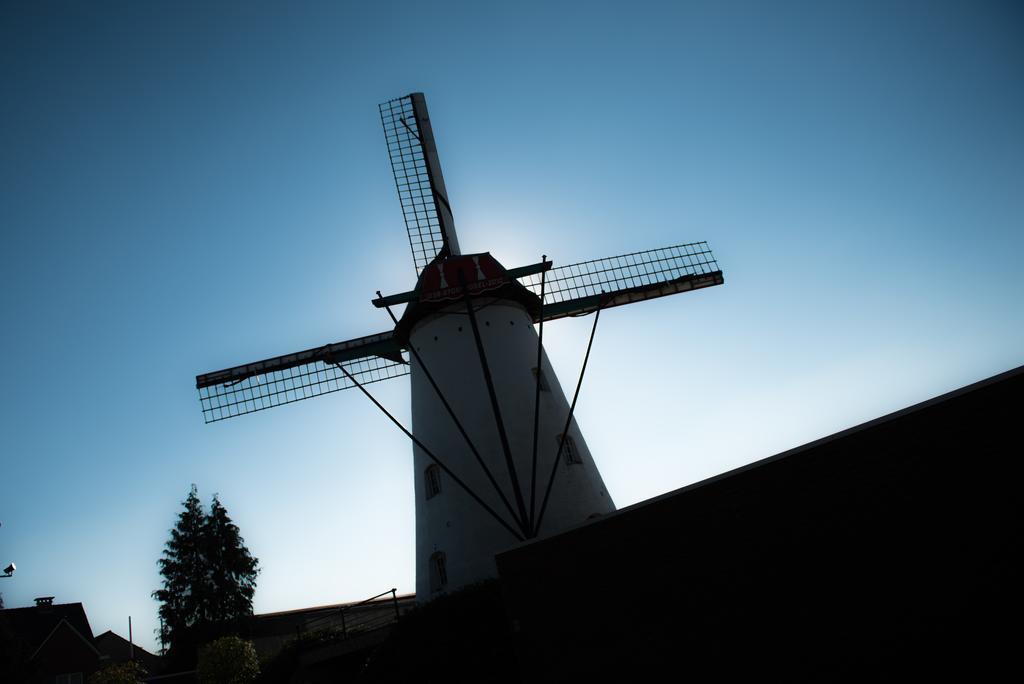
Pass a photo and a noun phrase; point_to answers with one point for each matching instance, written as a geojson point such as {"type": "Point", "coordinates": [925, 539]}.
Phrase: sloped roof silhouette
{"type": "Point", "coordinates": [34, 624]}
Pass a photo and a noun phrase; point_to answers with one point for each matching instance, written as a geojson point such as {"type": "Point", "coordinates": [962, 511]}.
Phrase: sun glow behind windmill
{"type": "Point", "coordinates": [491, 427]}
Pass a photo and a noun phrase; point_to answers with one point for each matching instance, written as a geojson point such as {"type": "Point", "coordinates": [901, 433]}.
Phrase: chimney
{"type": "Point", "coordinates": [44, 602]}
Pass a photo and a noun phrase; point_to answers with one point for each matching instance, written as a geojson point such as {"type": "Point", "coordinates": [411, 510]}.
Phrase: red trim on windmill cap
{"type": "Point", "coordinates": [440, 285]}
{"type": "Point", "coordinates": [443, 279]}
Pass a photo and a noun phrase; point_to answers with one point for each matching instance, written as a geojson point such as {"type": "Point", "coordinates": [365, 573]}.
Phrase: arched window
{"type": "Point", "coordinates": [438, 571]}
{"type": "Point", "coordinates": [432, 480]}
{"type": "Point", "coordinates": [569, 451]}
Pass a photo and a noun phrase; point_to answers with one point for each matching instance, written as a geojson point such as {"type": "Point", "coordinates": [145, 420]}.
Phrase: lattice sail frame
{"type": "Point", "coordinates": [575, 288]}
{"type": "Point", "coordinates": [416, 191]}
{"type": "Point", "coordinates": [571, 290]}
{"type": "Point", "coordinates": [288, 385]}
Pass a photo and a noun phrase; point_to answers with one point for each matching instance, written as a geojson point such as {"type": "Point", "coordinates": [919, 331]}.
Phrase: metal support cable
{"type": "Point", "coordinates": [458, 424]}
{"type": "Point", "coordinates": [494, 400]}
{"type": "Point", "coordinates": [536, 401]}
{"type": "Point", "coordinates": [568, 421]}
{"type": "Point", "coordinates": [434, 458]}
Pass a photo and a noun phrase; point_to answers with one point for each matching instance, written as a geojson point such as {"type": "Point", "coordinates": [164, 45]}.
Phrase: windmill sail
{"type": "Point", "coordinates": [301, 375]}
{"type": "Point", "coordinates": [577, 289]}
{"type": "Point", "coordinates": [417, 171]}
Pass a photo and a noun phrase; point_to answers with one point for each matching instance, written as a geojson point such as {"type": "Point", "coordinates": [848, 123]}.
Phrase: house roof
{"type": "Point", "coordinates": [117, 648]}
{"type": "Point", "coordinates": [67, 626]}
{"type": "Point", "coordinates": [333, 607]}
{"type": "Point", "coordinates": [34, 624]}
{"type": "Point", "coordinates": [286, 621]}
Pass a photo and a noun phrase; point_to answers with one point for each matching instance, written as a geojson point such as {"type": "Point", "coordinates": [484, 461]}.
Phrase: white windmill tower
{"type": "Point", "coordinates": [498, 456]}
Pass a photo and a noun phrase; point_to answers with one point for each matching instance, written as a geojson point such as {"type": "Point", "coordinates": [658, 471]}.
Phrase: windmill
{"type": "Point", "coordinates": [498, 456]}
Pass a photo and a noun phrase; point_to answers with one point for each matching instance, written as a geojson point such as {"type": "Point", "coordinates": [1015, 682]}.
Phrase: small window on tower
{"type": "Point", "coordinates": [544, 387]}
{"type": "Point", "coordinates": [438, 571]}
{"type": "Point", "coordinates": [432, 481]}
{"type": "Point", "coordinates": [569, 450]}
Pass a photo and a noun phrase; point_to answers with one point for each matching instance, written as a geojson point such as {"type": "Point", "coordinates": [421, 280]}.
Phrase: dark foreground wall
{"type": "Point", "coordinates": [893, 547]}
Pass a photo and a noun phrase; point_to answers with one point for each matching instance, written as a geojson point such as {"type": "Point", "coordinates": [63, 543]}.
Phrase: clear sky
{"type": "Point", "coordinates": [189, 187]}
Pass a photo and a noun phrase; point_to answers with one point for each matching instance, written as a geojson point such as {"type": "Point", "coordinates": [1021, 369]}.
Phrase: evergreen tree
{"type": "Point", "coordinates": [232, 570]}
{"type": "Point", "coordinates": [208, 580]}
{"type": "Point", "coordinates": [183, 568]}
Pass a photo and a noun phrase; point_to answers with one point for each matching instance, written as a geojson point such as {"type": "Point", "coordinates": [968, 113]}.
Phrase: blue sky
{"type": "Point", "coordinates": [189, 187]}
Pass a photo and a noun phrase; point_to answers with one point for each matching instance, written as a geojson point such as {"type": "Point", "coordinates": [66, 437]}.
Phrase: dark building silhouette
{"type": "Point", "coordinates": [324, 643]}
{"type": "Point", "coordinates": [114, 648]}
{"type": "Point", "coordinates": [269, 632]}
{"type": "Point", "coordinates": [52, 643]}
{"type": "Point", "coordinates": [889, 548]}
{"type": "Point", "coordinates": [48, 642]}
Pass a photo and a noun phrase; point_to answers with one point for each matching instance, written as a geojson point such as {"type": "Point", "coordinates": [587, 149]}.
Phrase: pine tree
{"type": "Point", "coordinates": [233, 570]}
{"type": "Point", "coordinates": [184, 571]}
{"type": "Point", "coordinates": [208, 580]}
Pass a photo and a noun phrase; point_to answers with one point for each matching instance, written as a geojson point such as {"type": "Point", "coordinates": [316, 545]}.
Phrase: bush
{"type": "Point", "coordinates": [121, 673]}
{"type": "Point", "coordinates": [228, 660]}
